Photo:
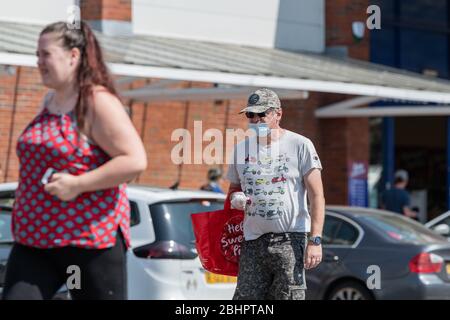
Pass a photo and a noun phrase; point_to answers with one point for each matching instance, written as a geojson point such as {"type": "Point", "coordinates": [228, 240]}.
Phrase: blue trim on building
{"type": "Point", "coordinates": [388, 151]}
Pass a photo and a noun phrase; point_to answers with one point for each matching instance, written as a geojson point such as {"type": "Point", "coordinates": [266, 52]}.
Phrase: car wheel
{"type": "Point", "coordinates": [350, 290]}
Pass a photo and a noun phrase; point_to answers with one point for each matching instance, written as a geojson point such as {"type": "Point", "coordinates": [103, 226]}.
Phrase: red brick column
{"type": "Point", "coordinates": [343, 141]}
{"type": "Point", "coordinates": [112, 17]}
{"type": "Point", "coordinates": [339, 15]}
{"type": "Point", "coordinates": [106, 10]}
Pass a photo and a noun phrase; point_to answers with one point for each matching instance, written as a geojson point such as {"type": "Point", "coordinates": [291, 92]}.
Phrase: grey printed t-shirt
{"type": "Point", "coordinates": [272, 177]}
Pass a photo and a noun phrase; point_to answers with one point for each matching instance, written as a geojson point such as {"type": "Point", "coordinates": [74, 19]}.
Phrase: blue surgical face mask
{"type": "Point", "coordinates": [261, 129]}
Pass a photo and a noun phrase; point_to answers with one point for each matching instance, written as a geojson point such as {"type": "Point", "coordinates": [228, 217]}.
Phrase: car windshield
{"type": "Point", "coordinates": [5, 226]}
{"type": "Point", "coordinates": [172, 220]}
{"type": "Point", "coordinates": [402, 229]}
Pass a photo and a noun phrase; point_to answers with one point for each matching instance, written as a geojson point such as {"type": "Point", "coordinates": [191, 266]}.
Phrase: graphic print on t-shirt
{"type": "Point", "coordinates": [265, 185]}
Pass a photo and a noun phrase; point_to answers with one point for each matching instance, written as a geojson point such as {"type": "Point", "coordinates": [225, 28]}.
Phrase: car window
{"type": "Point", "coordinates": [172, 220]}
{"type": "Point", "coordinates": [401, 229]}
{"type": "Point", "coordinates": [5, 225]}
{"type": "Point", "coordinates": [7, 198]}
{"type": "Point", "coordinates": [330, 228]}
{"type": "Point", "coordinates": [336, 231]}
{"type": "Point", "coordinates": [346, 235]}
{"type": "Point", "coordinates": [134, 214]}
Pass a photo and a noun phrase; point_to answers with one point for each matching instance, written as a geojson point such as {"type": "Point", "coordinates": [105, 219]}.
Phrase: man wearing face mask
{"type": "Point", "coordinates": [271, 174]}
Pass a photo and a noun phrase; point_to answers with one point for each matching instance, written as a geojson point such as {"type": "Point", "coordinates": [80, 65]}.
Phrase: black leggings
{"type": "Point", "coordinates": [36, 274]}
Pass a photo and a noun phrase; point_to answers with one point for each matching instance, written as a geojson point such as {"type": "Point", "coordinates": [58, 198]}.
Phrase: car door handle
{"type": "Point", "coordinates": [188, 271]}
{"type": "Point", "coordinates": [331, 258]}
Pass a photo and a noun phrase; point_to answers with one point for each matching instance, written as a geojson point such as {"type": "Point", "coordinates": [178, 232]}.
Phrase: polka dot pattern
{"type": "Point", "coordinates": [43, 221]}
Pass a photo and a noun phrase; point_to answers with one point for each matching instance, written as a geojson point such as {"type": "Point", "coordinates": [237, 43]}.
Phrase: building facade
{"type": "Point", "coordinates": [317, 29]}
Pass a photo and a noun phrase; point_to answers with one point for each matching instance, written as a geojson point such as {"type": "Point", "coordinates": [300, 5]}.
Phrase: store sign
{"type": "Point", "coordinates": [357, 184]}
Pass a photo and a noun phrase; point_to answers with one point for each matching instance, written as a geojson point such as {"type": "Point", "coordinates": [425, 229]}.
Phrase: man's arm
{"type": "Point", "coordinates": [406, 206]}
{"type": "Point", "coordinates": [408, 212]}
{"type": "Point", "coordinates": [314, 187]}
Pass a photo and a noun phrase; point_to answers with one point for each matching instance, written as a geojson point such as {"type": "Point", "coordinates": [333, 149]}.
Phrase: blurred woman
{"type": "Point", "coordinates": [79, 216]}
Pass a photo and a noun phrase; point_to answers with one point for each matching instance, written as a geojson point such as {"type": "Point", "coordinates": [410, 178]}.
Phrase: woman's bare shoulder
{"type": "Point", "coordinates": [104, 99]}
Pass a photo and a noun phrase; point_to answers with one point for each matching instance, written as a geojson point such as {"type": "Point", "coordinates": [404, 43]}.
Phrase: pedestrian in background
{"type": "Point", "coordinates": [397, 199]}
{"type": "Point", "coordinates": [214, 176]}
{"type": "Point", "coordinates": [79, 215]}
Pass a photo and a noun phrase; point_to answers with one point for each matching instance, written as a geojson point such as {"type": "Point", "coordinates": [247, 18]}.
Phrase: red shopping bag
{"type": "Point", "coordinates": [218, 238]}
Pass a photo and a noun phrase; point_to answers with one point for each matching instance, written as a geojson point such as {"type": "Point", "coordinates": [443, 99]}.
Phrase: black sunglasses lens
{"type": "Point", "coordinates": [251, 115]}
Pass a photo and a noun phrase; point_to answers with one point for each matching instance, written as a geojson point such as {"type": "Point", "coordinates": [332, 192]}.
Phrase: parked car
{"type": "Point", "coordinates": [441, 224]}
{"type": "Point", "coordinates": [414, 262]}
{"type": "Point", "coordinates": [163, 263]}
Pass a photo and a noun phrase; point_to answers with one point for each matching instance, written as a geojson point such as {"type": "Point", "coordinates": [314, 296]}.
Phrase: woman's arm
{"type": "Point", "coordinates": [114, 132]}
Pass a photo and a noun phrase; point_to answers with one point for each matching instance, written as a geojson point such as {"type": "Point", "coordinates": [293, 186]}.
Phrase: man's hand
{"type": "Point", "coordinates": [313, 256]}
{"type": "Point", "coordinates": [238, 200]}
{"type": "Point", "coordinates": [411, 214]}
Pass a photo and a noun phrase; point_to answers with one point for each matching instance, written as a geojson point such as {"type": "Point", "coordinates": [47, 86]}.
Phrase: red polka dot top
{"type": "Point", "coordinates": [41, 220]}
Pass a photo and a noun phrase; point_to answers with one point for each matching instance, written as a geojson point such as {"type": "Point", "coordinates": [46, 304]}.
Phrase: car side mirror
{"type": "Point", "coordinates": [442, 229]}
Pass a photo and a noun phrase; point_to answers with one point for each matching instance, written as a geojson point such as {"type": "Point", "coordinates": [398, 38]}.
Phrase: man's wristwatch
{"type": "Point", "coordinates": [317, 240]}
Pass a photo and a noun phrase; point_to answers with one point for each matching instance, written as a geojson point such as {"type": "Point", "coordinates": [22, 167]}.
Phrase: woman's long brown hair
{"type": "Point", "coordinates": [92, 70]}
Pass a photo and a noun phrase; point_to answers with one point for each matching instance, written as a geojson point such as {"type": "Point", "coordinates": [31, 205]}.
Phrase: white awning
{"type": "Point", "coordinates": [237, 70]}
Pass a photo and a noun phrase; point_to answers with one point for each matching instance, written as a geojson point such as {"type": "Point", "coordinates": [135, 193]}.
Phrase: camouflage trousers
{"type": "Point", "coordinates": [272, 268]}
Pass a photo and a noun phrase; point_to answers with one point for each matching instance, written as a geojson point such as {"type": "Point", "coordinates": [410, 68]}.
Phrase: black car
{"type": "Point", "coordinates": [375, 254]}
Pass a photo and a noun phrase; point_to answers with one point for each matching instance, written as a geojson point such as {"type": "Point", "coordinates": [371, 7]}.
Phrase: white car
{"type": "Point", "coordinates": [163, 263]}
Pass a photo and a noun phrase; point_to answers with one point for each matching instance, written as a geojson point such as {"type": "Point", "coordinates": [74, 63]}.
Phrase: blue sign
{"type": "Point", "coordinates": [357, 184]}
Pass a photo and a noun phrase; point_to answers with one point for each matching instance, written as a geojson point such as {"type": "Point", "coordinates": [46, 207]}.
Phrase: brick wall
{"type": "Point", "coordinates": [16, 113]}
{"type": "Point", "coordinates": [155, 122]}
{"type": "Point", "coordinates": [339, 15]}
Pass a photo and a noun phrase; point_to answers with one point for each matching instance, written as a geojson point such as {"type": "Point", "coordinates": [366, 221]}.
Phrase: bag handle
{"type": "Point", "coordinates": [227, 204]}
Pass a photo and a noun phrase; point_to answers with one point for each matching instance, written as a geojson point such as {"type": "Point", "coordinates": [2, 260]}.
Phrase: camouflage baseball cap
{"type": "Point", "coordinates": [262, 100]}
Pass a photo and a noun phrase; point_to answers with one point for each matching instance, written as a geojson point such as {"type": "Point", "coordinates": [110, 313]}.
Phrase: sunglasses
{"type": "Point", "coordinates": [251, 115]}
